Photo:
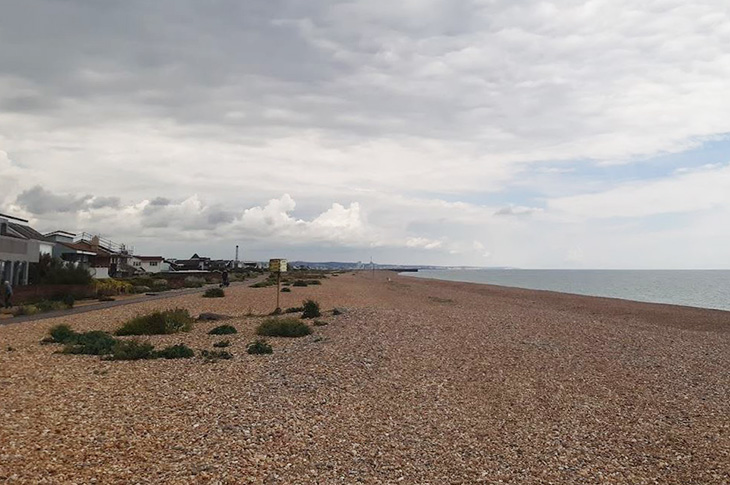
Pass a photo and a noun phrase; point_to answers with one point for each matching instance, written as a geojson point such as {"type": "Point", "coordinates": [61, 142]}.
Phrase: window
{"type": "Point", "coordinates": [153, 263]}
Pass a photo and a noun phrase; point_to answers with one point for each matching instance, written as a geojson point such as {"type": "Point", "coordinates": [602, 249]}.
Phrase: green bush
{"type": "Point", "coordinates": [215, 355]}
{"type": "Point", "coordinates": [106, 298]}
{"type": "Point", "coordinates": [194, 282]}
{"type": "Point", "coordinates": [313, 282]}
{"type": "Point", "coordinates": [261, 284]}
{"type": "Point", "coordinates": [44, 306]}
{"type": "Point", "coordinates": [69, 301]}
{"type": "Point", "coordinates": [223, 330]}
{"type": "Point", "coordinates": [26, 310]}
{"type": "Point", "coordinates": [294, 309]}
{"type": "Point", "coordinates": [299, 283]}
{"type": "Point", "coordinates": [214, 293]}
{"type": "Point", "coordinates": [259, 347]}
{"type": "Point", "coordinates": [131, 350]}
{"type": "Point", "coordinates": [179, 351]}
{"type": "Point", "coordinates": [54, 271]}
{"type": "Point", "coordinates": [158, 323]}
{"type": "Point", "coordinates": [222, 344]}
{"type": "Point", "coordinates": [62, 334]}
{"type": "Point", "coordinates": [320, 323]}
{"type": "Point", "coordinates": [283, 327]}
{"type": "Point", "coordinates": [311, 309]}
{"type": "Point", "coordinates": [286, 290]}
{"type": "Point", "coordinates": [90, 343]}
{"type": "Point", "coordinates": [159, 285]}
{"type": "Point", "coordinates": [141, 289]}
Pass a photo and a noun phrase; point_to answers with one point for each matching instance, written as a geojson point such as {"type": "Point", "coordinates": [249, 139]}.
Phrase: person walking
{"type": "Point", "coordinates": [7, 294]}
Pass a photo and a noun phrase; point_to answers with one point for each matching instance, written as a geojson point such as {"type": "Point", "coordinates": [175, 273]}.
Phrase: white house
{"type": "Point", "coordinates": [150, 264]}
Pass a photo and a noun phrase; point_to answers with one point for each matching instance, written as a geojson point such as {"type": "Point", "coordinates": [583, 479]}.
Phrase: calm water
{"type": "Point", "coordinates": [698, 288]}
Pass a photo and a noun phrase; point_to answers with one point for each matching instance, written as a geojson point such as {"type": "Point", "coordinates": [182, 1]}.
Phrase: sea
{"type": "Point", "coordinates": [696, 288]}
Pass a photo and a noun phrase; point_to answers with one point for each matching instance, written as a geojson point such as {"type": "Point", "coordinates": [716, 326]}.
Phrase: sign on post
{"type": "Point", "coordinates": [277, 265]}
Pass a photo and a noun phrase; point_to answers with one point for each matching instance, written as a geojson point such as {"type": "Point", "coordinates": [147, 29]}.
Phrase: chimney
{"type": "Point", "coordinates": [95, 243]}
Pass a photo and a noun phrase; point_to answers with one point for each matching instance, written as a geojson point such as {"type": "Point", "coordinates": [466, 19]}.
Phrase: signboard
{"type": "Point", "coordinates": [277, 265]}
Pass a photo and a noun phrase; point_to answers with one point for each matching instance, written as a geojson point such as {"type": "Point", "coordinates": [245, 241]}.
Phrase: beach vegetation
{"type": "Point", "coordinates": [222, 344]}
{"type": "Point", "coordinates": [310, 309]}
{"type": "Point", "coordinates": [158, 323]}
{"type": "Point", "coordinates": [95, 342]}
{"type": "Point", "coordinates": [214, 293]}
{"type": "Point", "coordinates": [179, 351]}
{"type": "Point", "coordinates": [215, 355]}
{"type": "Point", "coordinates": [259, 347]}
{"type": "Point", "coordinates": [283, 327]}
{"type": "Point", "coordinates": [223, 330]}
{"type": "Point", "coordinates": [194, 282]}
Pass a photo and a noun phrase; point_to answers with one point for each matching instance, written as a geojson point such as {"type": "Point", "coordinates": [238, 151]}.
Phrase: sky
{"type": "Point", "coordinates": [522, 133]}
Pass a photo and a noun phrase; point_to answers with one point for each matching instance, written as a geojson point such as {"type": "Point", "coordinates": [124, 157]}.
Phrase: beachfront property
{"type": "Point", "coordinates": [103, 258]}
{"type": "Point", "coordinates": [195, 263]}
{"type": "Point", "coordinates": [20, 246]}
{"type": "Point", "coordinates": [150, 264]}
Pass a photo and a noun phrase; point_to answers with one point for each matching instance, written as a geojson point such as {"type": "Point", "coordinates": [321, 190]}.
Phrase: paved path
{"type": "Point", "coordinates": [111, 304]}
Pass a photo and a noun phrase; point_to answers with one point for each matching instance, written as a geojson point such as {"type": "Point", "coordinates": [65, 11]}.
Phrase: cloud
{"type": "Point", "coordinates": [701, 189]}
{"type": "Point", "coordinates": [512, 210]}
{"type": "Point", "coordinates": [387, 123]}
{"type": "Point", "coordinates": [38, 200]}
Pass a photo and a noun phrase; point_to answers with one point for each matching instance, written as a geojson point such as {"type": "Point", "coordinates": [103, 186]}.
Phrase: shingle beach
{"type": "Point", "coordinates": [416, 382]}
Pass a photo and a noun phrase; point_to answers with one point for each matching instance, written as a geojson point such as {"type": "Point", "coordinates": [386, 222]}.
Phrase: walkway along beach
{"type": "Point", "coordinates": [417, 381]}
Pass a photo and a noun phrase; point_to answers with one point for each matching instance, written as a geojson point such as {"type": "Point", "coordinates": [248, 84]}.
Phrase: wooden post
{"type": "Point", "coordinates": [278, 290]}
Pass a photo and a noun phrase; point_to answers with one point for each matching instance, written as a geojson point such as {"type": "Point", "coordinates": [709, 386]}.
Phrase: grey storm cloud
{"type": "Point", "coordinates": [38, 200]}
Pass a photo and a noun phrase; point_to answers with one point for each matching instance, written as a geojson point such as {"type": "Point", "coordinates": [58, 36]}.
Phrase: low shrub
{"type": "Point", "coordinates": [259, 347]}
{"type": "Point", "coordinates": [90, 343]}
{"type": "Point", "coordinates": [179, 351]}
{"type": "Point", "coordinates": [44, 306]}
{"type": "Point", "coordinates": [214, 293]}
{"type": "Point", "coordinates": [160, 285]}
{"type": "Point", "coordinates": [106, 298]}
{"type": "Point", "coordinates": [313, 282]}
{"type": "Point", "coordinates": [26, 310]}
{"type": "Point", "coordinates": [294, 309]}
{"type": "Point", "coordinates": [283, 327]}
{"type": "Point", "coordinates": [261, 284]}
{"type": "Point", "coordinates": [311, 309]}
{"type": "Point", "coordinates": [223, 330]}
{"type": "Point", "coordinates": [194, 282]}
{"type": "Point", "coordinates": [158, 323]}
{"type": "Point", "coordinates": [131, 350]}
{"type": "Point", "coordinates": [62, 333]}
{"type": "Point", "coordinates": [112, 287]}
{"type": "Point", "coordinates": [299, 283]}
{"type": "Point", "coordinates": [222, 344]}
{"type": "Point", "coordinates": [141, 289]}
{"type": "Point", "coordinates": [215, 355]}
{"type": "Point", "coordinates": [320, 323]}
{"type": "Point", "coordinates": [69, 301]}
{"type": "Point", "coordinates": [286, 290]}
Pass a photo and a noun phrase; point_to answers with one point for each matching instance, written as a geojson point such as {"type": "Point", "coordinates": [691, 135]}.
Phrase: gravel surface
{"type": "Point", "coordinates": [418, 381]}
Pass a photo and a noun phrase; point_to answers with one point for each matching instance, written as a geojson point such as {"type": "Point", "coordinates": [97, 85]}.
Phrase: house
{"type": "Point", "coordinates": [195, 263]}
{"type": "Point", "coordinates": [150, 264]}
{"type": "Point", "coordinates": [20, 246]}
{"type": "Point", "coordinates": [104, 258]}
